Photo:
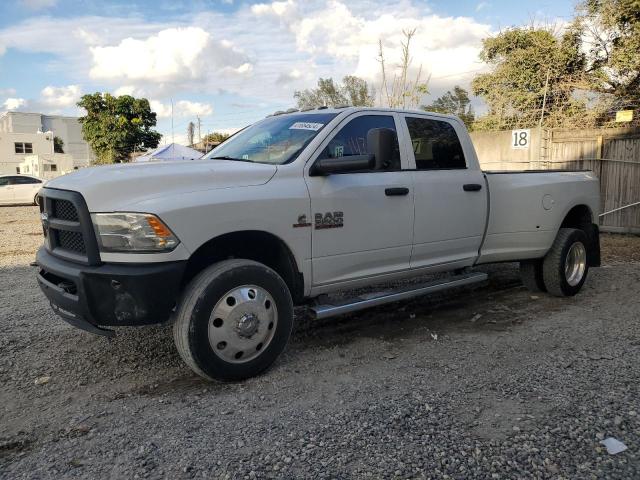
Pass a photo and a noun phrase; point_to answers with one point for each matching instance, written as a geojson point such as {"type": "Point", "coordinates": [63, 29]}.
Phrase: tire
{"type": "Point", "coordinates": [560, 278]}
{"type": "Point", "coordinates": [531, 275]}
{"type": "Point", "coordinates": [36, 202]}
{"type": "Point", "coordinates": [233, 321]}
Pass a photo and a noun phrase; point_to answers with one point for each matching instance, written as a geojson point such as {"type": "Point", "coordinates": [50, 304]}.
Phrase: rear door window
{"type": "Point", "coordinates": [435, 144]}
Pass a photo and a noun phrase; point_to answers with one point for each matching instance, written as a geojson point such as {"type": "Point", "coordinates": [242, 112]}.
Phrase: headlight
{"type": "Point", "coordinates": [132, 232]}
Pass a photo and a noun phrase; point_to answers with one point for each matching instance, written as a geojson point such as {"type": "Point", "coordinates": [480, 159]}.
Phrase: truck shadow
{"type": "Point", "coordinates": [457, 309]}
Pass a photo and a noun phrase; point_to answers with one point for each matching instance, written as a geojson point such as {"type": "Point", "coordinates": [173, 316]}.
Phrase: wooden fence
{"type": "Point", "coordinates": [612, 154]}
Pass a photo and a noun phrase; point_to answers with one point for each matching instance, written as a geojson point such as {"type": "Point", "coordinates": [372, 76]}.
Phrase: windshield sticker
{"type": "Point", "coordinates": [306, 126]}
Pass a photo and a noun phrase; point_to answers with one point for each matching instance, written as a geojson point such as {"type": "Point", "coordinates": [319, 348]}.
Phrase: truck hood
{"type": "Point", "coordinates": [112, 187]}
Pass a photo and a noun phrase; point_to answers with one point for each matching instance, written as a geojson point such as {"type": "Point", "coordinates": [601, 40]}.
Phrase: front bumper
{"type": "Point", "coordinates": [89, 297]}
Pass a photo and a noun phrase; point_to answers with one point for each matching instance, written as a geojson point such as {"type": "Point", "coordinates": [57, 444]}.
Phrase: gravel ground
{"type": "Point", "coordinates": [484, 383]}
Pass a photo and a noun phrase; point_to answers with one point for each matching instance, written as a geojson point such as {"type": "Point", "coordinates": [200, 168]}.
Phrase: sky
{"type": "Point", "coordinates": [233, 62]}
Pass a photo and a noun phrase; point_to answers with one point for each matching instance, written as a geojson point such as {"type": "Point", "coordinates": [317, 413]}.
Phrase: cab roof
{"type": "Point", "coordinates": [352, 109]}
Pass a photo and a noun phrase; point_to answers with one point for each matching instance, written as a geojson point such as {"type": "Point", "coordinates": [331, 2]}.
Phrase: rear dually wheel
{"type": "Point", "coordinates": [565, 266]}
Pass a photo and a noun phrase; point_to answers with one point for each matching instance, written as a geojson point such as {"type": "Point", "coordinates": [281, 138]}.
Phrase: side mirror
{"type": "Point", "coordinates": [381, 142]}
{"type": "Point", "coordinates": [352, 163]}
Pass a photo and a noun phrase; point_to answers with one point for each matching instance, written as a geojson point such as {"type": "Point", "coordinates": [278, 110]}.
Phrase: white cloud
{"type": "Point", "coordinates": [182, 108]}
{"type": "Point", "coordinates": [447, 47]}
{"type": "Point", "coordinates": [482, 6]}
{"type": "Point", "coordinates": [259, 53]}
{"type": "Point", "coordinates": [60, 97]}
{"type": "Point", "coordinates": [290, 76]}
{"type": "Point", "coordinates": [7, 92]}
{"type": "Point", "coordinates": [280, 8]}
{"type": "Point", "coordinates": [333, 38]}
{"type": "Point", "coordinates": [14, 103]}
{"type": "Point", "coordinates": [38, 4]}
{"type": "Point", "coordinates": [171, 55]}
{"type": "Point", "coordinates": [129, 90]}
{"type": "Point", "coordinates": [245, 69]}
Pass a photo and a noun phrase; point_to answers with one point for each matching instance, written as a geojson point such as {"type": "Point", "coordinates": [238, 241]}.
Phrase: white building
{"type": "Point", "coordinates": [24, 136]}
{"type": "Point", "coordinates": [48, 166]}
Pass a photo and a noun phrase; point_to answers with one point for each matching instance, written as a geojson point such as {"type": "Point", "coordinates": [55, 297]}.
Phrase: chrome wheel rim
{"type": "Point", "coordinates": [242, 324]}
{"type": "Point", "coordinates": [575, 264]}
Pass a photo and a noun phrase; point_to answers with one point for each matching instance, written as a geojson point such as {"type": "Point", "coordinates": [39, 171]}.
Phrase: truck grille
{"type": "Point", "coordinates": [64, 210]}
{"type": "Point", "coordinates": [71, 241]}
{"type": "Point", "coordinates": [67, 226]}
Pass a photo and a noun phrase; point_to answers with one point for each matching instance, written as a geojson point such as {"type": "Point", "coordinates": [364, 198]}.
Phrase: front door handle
{"type": "Point", "coordinates": [396, 191]}
{"type": "Point", "coordinates": [472, 187]}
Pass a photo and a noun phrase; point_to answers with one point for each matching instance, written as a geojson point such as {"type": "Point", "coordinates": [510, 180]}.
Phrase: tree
{"type": "Point", "coordinates": [353, 91]}
{"type": "Point", "coordinates": [611, 33]}
{"type": "Point", "coordinates": [454, 102]}
{"type": "Point", "coordinates": [534, 75]}
{"type": "Point", "coordinates": [115, 127]}
{"type": "Point", "coordinates": [191, 128]}
{"type": "Point", "coordinates": [402, 92]}
{"type": "Point", "coordinates": [215, 137]}
{"type": "Point", "coordinates": [58, 145]}
{"type": "Point", "coordinates": [357, 91]}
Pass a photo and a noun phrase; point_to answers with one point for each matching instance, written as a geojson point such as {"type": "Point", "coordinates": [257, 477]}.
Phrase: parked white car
{"type": "Point", "coordinates": [293, 207]}
{"type": "Point", "coordinates": [19, 189]}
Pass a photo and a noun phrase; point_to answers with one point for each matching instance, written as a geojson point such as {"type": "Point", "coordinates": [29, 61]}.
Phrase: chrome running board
{"type": "Point", "coordinates": [380, 298]}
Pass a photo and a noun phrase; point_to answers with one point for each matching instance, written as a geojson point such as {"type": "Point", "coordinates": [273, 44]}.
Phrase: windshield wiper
{"type": "Point", "coordinates": [227, 157]}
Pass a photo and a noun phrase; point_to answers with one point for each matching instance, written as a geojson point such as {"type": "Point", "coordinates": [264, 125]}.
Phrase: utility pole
{"type": "Point", "coordinates": [199, 122]}
{"type": "Point", "coordinates": [544, 99]}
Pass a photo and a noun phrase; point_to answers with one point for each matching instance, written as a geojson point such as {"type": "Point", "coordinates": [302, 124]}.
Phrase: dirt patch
{"type": "Point", "coordinates": [618, 248]}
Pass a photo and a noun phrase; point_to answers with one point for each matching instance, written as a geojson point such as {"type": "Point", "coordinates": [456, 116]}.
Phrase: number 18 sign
{"type": "Point", "coordinates": [520, 139]}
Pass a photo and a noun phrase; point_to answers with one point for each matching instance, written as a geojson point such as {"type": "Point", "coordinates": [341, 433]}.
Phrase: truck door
{"type": "Point", "coordinates": [450, 197]}
{"type": "Point", "coordinates": [362, 221]}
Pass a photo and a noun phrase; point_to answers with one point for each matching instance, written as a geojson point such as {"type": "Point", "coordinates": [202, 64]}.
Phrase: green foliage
{"type": "Point", "coordinates": [357, 91]}
{"type": "Point", "coordinates": [115, 127]}
{"type": "Point", "coordinates": [577, 79]}
{"type": "Point", "coordinates": [531, 67]}
{"type": "Point", "coordinates": [612, 30]}
{"type": "Point", "coordinates": [353, 91]}
{"type": "Point", "coordinates": [58, 145]}
{"type": "Point", "coordinates": [454, 102]}
{"type": "Point", "coordinates": [215, 137]}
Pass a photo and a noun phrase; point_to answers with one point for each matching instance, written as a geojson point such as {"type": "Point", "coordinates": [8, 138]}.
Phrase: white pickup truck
{"type": "Point", "coordinates": [297, 205]}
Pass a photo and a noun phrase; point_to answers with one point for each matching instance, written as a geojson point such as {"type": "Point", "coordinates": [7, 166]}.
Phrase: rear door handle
{"type": "Point", "coordinates": [472, 187]}
{"type": "Point", "coordinates": [396, 191]}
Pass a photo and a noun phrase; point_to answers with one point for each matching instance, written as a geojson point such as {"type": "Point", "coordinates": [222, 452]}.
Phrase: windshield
{"type": "Point", "coordinates": [275, 140]}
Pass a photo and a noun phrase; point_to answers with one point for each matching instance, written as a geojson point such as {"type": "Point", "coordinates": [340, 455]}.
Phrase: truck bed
{"type": "Point", "coordinates": [526, 209]}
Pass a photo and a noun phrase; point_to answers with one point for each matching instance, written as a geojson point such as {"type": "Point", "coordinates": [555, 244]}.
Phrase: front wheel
{"type": "Point", "coordinates": [565, 266]}
{"type": "Point", "coordinates": [234, 320]}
